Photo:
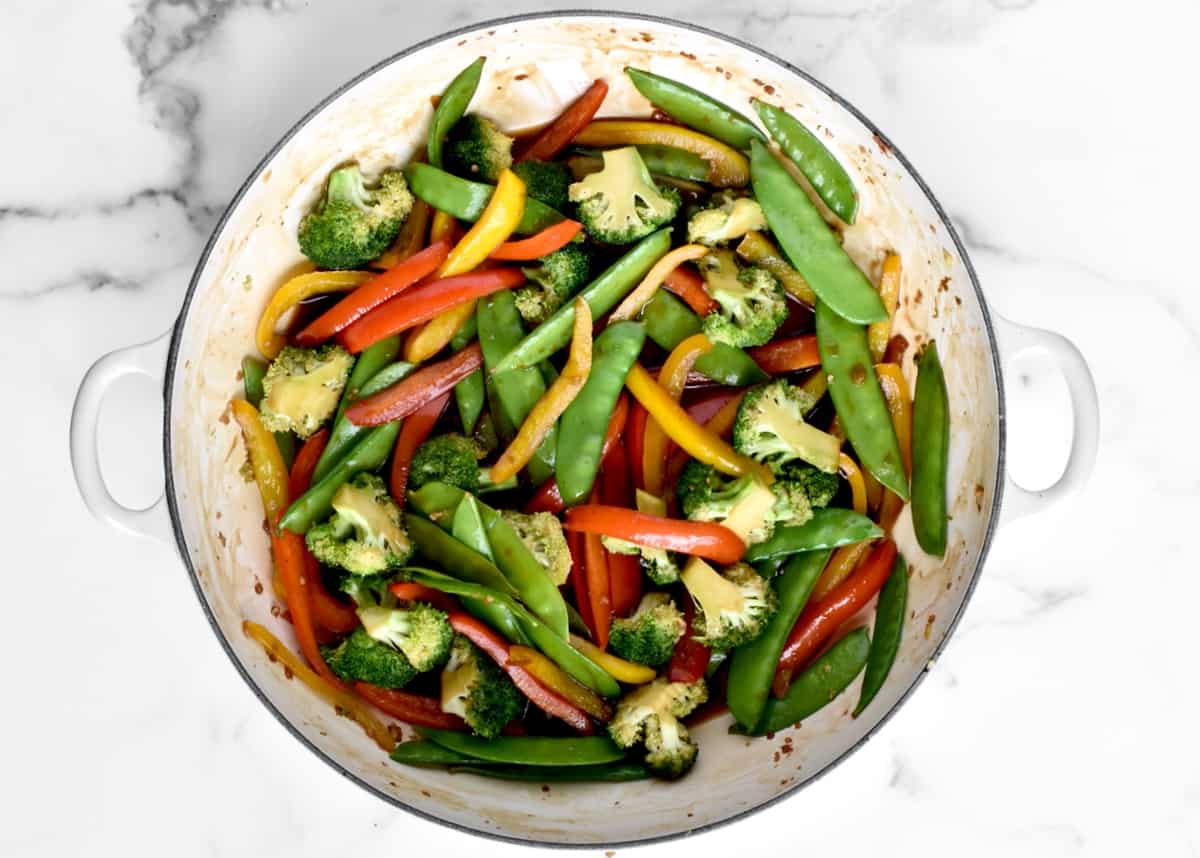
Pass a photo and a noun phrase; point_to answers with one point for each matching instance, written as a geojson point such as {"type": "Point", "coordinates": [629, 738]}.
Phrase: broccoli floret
{"type": "Point", "coordinates": [650, 634]}
{"type": "Point", "coordinates": [770, 428]}
{"type": "Point", "coordinates": [359, 658]}
{"type": "Point", "coordinates": [725, 218]}
{"type": "Point", "coordinates": [621, 203]}
{"type": "Point", "coordinates": [732, 607]}
{"type": "Point", "coordinates": [368, 590]}
{"type": "Point", "coordinates": [302, 387]}
{"type": "Point", "coordinates": [553, 282]}
{"type": "Point", "coordinates": [366, 533]}
{"type": "Point", "coordinates": [476, 148]}
{"type": "Point", "coordinates": [818, 486]}
{"type": "Point", "coordinates": [658, 563]}
{"type": "Point", "coordinates": [543, 535]}
{"type": "Point", "coordinates": [650, 716]}
{"type": "Point", "coordinates": [420, 631]}
{"type": "Point", "coordinates": [354, 223]}
{"type": "Point", "coordinates": [753, 303]}
{"type": "Point", "coordinates": [452, 459]}
{"type": "Point", "coordinates": [478, 691]}
{"type": "Point", "coordinates": [746, 505]}
{"type": "Point", "coordinates": [545, 181]}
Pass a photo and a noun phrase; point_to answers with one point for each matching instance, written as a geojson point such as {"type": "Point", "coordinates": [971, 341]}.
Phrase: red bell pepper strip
{"type": "Point", "coordinates": [424, 303]}
{"type": "Point", "coordinates": [413, 432]}
{"type": "Point", "coordinates": [547, 241]}
{"type": "Point", "coordinates": [820, 620]}
{"type": "Point", "coordinates": [624, 570]}
{"type": "Point", "coordinates": [690, 658]}
{"type": "Point", "coordinates": [599, 590]}
{"type": "Point", "coordinates": [547, 498]}
{"type": "Point", "coordinates": [786, 355]}
{"type": "Point", "coordinates": [411, 591]}
{"type": "Point", "coordinates": [707, 407]}
{"type": "Point", "coordinates": [306, 462]}
{"type": "Point", "coordinates": [698, 538]}
{"type": "Point", "coordinates": [289, 550]}
{"type": "Point", "coordinates": [687, 283]}
{"type": "Point", "coordinates": [559, 133]}
{"type": "Point", "coordinates": [374, 292]}
{"type": "Point", "coordinates": [413, 708]}
{"type": "Point", "coordinates": [496, 648]}
{"type": "Point", "coordinates": [635, 442]}
{"type": "Point", "coordinates": [422, 387]}
{"type": "Point", "coordinates": [578, 577]}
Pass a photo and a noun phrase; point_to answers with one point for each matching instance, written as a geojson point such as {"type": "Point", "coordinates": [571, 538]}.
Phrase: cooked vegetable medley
{"type": "Point", "coordinates": [661, 496]}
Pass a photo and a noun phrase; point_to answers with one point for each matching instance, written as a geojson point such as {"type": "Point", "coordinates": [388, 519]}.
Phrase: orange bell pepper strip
{"type": "Point", "coordinates": [599, 590]}
{"type": "Point", "coordinates": [495, 225]}
{"type": "Point", "coordinates": [292, 293]}
{"type": "Point", "coordinates": [686, 282]}
{"type": "Point", "coordinates": [553, 402]}
{"type": "Point", "coordinates": [889, 293]}
{"type": "Point", "coordinates": [413, 433]}
{"type": "Point", "coordinates": [843, 562]}
{"type": "Point", "coordinates": [334, 694]}
{"type": "Point", "coordinates": [547, 497]}
{"type": "Point", "coordinates": [411, 591]}
{"type": "Point", "coordinates": [899, 403]}
{"type": "Point", "coordinates": [559, 681]}
{"type": "Point", "coordinates": [672, 378]}
{"type": "Point", "coordinates": [418, 389]}
{"type": "Point", "coordinates": [371, 294]}
{"type": "Point", "coordinates": [787, 355]}
{"type": "Point", "coordinates": [289, 548]}
{"type": "Point", "coordinates": [727, 167]}
{"type": "Point", "coordinates": [633, 303]}
{"type": "Point", "coordinates": [822, 618]}
{"type": "Point", "coordinates": [578, 577]}
{"type": "Point", "coordinates": [698, 538]}
{"type": "Point", "coordinates": [412, 708]}
{"type": "Point", "coordinates": [547, 241]}
{"type": "Point", "coordinates": [850, 472]}
{"type": "Point", "coordinates": [618, 668]}
{"type": "Point", "coordinates": [698, 442]}
{"type": "Point", "coordinates": [410, 239]}
{"type": "Point", "coordinates": [558, 134]}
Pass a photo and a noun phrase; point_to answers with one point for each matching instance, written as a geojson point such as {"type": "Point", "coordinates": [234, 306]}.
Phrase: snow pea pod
{"type": "Point", "coordinates": [583, 424]}
{"type": "Point", "coordinates": [857, 398]}
{"type": "Point", "coordinates": [889, 627]}
{"type": "Point", "coordinates": [345, 433]}
{"type": "Point", "coordinates": [602, 294]}
{"type": "Point", "coordinates": [530, 750]}
{"type": "Point", "coordinates": [730, 366]}
{"type": "Point", "coordinates": [830, 527]}
{"type": "Point", "coordinates": [369, 452]}
{"type": "Point", "coordinates": [930, 452]}
{"type": "Point", "coordinates": [821, 682]}
{"type": "Point", "coordinates": [518, 390]}
{"type": "Point", "coordinates": [618, 772]}
{"type": "Point", "coordinates": [823, 171]}
{"type": "Point", "coordinates": [373, 358]}
{"type": "Point", "coordinates": [466, 200]}
{"type": "Point", "coordinates": [468, 393]}
{"type": "Point", "coordinates": [662, 160]}
{"type": "Point", "coordinates": [809, 243]}
{"type": "Point", "coordinates": [451, 107]}
{"type": "Point", "coordinates": [253, 373]}
{"type": "Point", "coordinates": [668, 320]}
{"type": "Point", "coordinates": [695, 109]}
{"type": "Point", "coordinates": [752, 666]}
{"type": "Point", "coordinates": [423, 752]}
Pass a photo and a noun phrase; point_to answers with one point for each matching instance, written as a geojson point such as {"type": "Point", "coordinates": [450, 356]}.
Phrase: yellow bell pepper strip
{"type": "Point", "coordinates": [618, 668]}
{"type": "Point", "coordinates": [844, 561]}
{"type": "Point", "coordinates": [816, 385]}
{"type": "Point", "coordinates": [341, 700]}
{"type": "Point", "coordinates": [889, 292]}
{"type": "Point", "coordinates": [874, 491]}
{"type": "Point", "coordinates": [848, 468]}
{"type": "Point", "coordinates": [292, 293]}
{"type": "Point", "coordinates": [655, 277]}
{"type": "Point", "coordinates": [444, 225]}
{"type": "Point", "coordinates": [270, 473]}
{"type": "Point", "coordinates": [727, 167]}
{"type": "Point", "coordinates": [672, 377]}
{"type": "Point", "coordinates": [553, 402]}
{"type": "Point", "coordinates": [559, 681]}
{"type": "Point", "coordinates": [410, 239]}
{"type": "Point", "coordinates": [699, 442]}
{"type": "Point", "coordinates": [899, 403]}
{"type": "Point", "coordinates": [493, 228]}
{"type": "Point", "coordinates": [758, 250]}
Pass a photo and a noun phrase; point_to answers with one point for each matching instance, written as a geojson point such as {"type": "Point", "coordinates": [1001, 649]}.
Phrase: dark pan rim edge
{"type": "Point", "coordinates": [173, 354]}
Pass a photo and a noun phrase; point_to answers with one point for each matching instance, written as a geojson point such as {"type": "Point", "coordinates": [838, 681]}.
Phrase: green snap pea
{"type": "Point", "coordinates": [930, 452]}
{"type": "Point", "coordinates": [821, 682]}
{"type": "Point", "coordinates": [660, 160]}
{"type": "Point", "coordinates": [695, 109]}
{"type": "Point", "coordinates": [602, 294]}
{"type": "Point", "coordinates": [344, 433]}
{"type": "Point", "coordinates": [369, 452]}
{"type": "Point", "coordinates": [823, 171]}
{"type": "Point", "coordinates": [517, 390]}
{"type": "Point", "coordinates": [730, 366]}
{"type": "Point", "coordinates": [451, 107]}
{"type": "Point", "coordinates": [669, 321]}
{"type": "Point", "coordinates": [454, 557]}
{"type": "Point", "coordinates": [752, 666]}
{"type": "Point", "coordinates": [466, 200]}
{"type": "Point", "coordinates": [830, 527]}
{"type": "Point", "coordinates": [530, 750]}
{"type": "Point", "coordinates": [581, 434]}
{"type": "Point", "coordinates": [889, 627]}
{"type": "Point", "coordinates": [373, 359]}
{"type": "Point", "coordinates": [253, 372]}
{"type": "Point", "coordinates": [423, 752]}
{"type": "Point", "coordinates": [809, 243]}
{"type": "Point", "coordinates": [857, 398]}
{"type": "Point", "coordinates": [601, 773]}
{"type": "Point", "coordinates": [468, 393]}
{"type": "Point", "coordinates": [467, 527]}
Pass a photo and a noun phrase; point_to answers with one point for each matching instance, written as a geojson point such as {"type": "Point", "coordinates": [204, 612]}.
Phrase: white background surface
{"type": "Point", "coordinates": [1060, 137]}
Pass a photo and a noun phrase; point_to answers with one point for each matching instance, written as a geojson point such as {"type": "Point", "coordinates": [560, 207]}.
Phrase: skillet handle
{"type": "Point", "coordinates": [1015, 340]}
{"type": "Point", "coordinates": [148, 359]}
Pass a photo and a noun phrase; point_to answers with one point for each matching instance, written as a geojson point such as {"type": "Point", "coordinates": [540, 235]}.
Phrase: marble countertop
{"type": "Point", "coordinates": [1061, 719]}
